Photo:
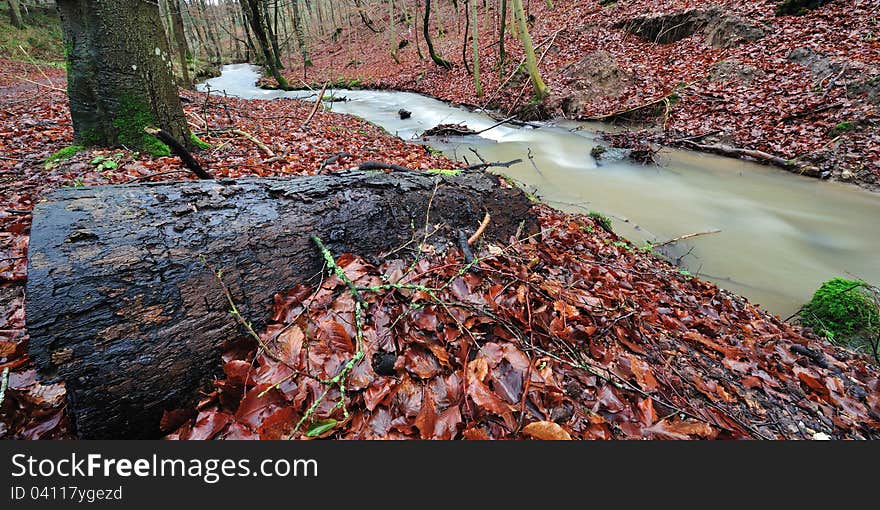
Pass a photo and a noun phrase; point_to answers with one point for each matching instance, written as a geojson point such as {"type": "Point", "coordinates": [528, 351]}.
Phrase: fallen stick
{"type": "Point", "coordinates": [256, 141]}
{"type": "Point", "coordinates": [315, 108]}
{"type": "Point", "coordinates": [178, 148]}
{"type": "Point", "coordinates": [686, 236]}
{"type": "Point", "coordinates": [480, 166]}
{"type": "Point", "coordinates": [619, 113]}
{"type": "Point", "coordinates": [482, 228]}
{"type": "Point", "coordinates": [493, 126]}
{"type": "Point", "coordinates": [789, 164]}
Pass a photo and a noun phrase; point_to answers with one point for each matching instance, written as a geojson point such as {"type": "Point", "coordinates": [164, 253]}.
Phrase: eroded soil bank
{"type": "Point", "coordinates": [706, 72]}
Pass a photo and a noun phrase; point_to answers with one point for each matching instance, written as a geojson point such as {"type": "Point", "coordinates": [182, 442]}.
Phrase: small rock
{"type": "Point", "coordinates": [404, 114]}
{"type": "Point", "coordinates": [846, 175]}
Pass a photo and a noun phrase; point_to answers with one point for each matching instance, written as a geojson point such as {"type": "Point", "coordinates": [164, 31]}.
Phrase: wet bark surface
{"type": "Point", "coordinates": [122, 306]}
{"type": "Point", "coordinates": [120, 74]}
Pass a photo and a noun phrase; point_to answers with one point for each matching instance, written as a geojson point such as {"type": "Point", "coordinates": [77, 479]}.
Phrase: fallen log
{"type": "Point", "coordinates": [122, 305]}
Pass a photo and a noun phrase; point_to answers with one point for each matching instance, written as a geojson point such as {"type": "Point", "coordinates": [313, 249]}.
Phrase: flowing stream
{"type": "Point", "coordinates": [781, 235]}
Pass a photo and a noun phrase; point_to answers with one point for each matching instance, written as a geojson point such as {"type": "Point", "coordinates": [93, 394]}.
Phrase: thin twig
{"type": "Point", "coordinates": [315, 108]}
{"type": "Point", "coordinates": [482, 228]}
{"type": "Point", "coordinates": [686, 236]}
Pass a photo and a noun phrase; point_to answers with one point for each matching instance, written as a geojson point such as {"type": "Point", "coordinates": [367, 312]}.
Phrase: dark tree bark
{"type": "Point", "coordinates": [253, 13]}
{"type": "Point", "coordinates": [501, 29]}
{"type": "Point", "coordinates": [121, 306]}
{"type": "Point", "coordinates": [440, 61]}
{"type": "Point", "coordinates": [120, 76]}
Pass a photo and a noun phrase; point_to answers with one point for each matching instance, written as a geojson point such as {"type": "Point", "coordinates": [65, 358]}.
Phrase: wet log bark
{"type": "Point", "coordinates": [122, 307]}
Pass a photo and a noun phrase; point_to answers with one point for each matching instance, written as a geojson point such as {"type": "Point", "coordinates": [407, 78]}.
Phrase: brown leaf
{"type": "Point", "coordinates": [335, 336]}
{"type": "Point", "coordinates": [546, 430]}
{"type": "Point", "coordinates": [208, 424]}
{"type": "Point", "coordinates": [426, 419]}
{"type": "Point", "coordinates": [278, 424]}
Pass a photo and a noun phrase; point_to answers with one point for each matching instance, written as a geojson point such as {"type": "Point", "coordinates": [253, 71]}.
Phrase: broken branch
{"type": "Point", "coordinates": [178, 148]}
{"type": "Point", "coordinates": [256, 141]}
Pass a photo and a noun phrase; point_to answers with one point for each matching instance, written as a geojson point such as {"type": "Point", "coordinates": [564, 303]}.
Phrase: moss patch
{"type": "Point", "coordinates": [61, 155]}
{"type": "Point", "coordinates": [198, 142]}
{"type": "Point", "coordinates": [444, 171]}
{"type": "Point", "coordinates": [132, 117]}
{"type": "Point", "coordinates": [601, 219]}
{"type": "Point", "coordinates": [843, 311]}
{"type": "Point", "coordinates": [842, 128]}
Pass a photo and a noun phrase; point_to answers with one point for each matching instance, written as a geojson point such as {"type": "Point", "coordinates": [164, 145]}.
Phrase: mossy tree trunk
{"type": "Point", "coordinates": [120, 75]}
{"type": "Point", "coordinates": [15, 14]}
{"type": "Point", "coordinates": [254, 16]}
{"type": "Point", "coordinates": [476, 47]}
{"type": "Point", "coordinates": [541, 90]}
{"type": "Point", "coordinates": [183, 53]}
{"type": "Point", "coordinates": [440, 61]}
{"type": "Point", "coordinates": [272, 32]}
{"type": "Point", "coordinates": [299, 29]}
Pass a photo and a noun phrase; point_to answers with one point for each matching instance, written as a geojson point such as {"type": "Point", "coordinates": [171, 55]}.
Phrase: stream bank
{"type": "Point", "coordinates": [734, 73]}
{"type": "Point", "coordinates": [661, 341]}
{"type": "Point", "coordinates": [781, 235]}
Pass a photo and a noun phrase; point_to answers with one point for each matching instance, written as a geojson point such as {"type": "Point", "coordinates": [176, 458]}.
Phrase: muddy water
{"type": "Point", "coordinates": [781, 234]}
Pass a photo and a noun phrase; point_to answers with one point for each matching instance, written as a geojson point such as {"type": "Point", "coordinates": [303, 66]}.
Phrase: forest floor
{"type": "Point", "coordinates": [727, 72]}
{"type": "Point", "coordinates": [573, 332]}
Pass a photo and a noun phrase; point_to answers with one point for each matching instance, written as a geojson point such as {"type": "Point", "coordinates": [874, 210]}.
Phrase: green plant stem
{"type": "Point", "coordinates": [4, 381]}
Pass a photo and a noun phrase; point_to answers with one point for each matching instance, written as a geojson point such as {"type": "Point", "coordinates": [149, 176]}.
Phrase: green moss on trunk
{"type": "Point", "coordinates": [133, 115]}
{"type": "Point", "coordinates": [198, 142]}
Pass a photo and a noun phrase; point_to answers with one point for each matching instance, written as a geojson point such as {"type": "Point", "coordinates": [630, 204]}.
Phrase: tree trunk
{"type": "Point", "coordinates": [272, 35]}
{"type": "Point", "coordinates": [211, 32]}
{"type": "Point", "coordinates": [180, 40]}
{"type": "Point", "coordinates": [15, 14]}
{"type": "Point", "coordinates": [478, 87]}
{"type": "Point", "coordinates": [300, 35]}
{"type": "Point", "coordinates": [440, 61]}
{"type": "Point", "coordinates": [392, 32]}
{"type": "Point", "coordinates": [541, 90]}
{"type": "Point", "coordinates": [122, 306]}
{"type": "Point", "coordinates": [120, 76]}
{"type": "Point", "coordinates": [501, 29]}
{"type": "Point", "coordinates": [255, 18]}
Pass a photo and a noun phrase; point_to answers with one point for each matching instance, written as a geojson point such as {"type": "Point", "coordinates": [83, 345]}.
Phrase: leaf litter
{"type": "Point", "coordinates": [567, 334]}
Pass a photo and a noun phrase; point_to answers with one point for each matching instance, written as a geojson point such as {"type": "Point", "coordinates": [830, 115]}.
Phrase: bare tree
{"type": "Point", "coordinates": [440, 61]}
{"type": "Point", "coordinates": [541, 90]}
